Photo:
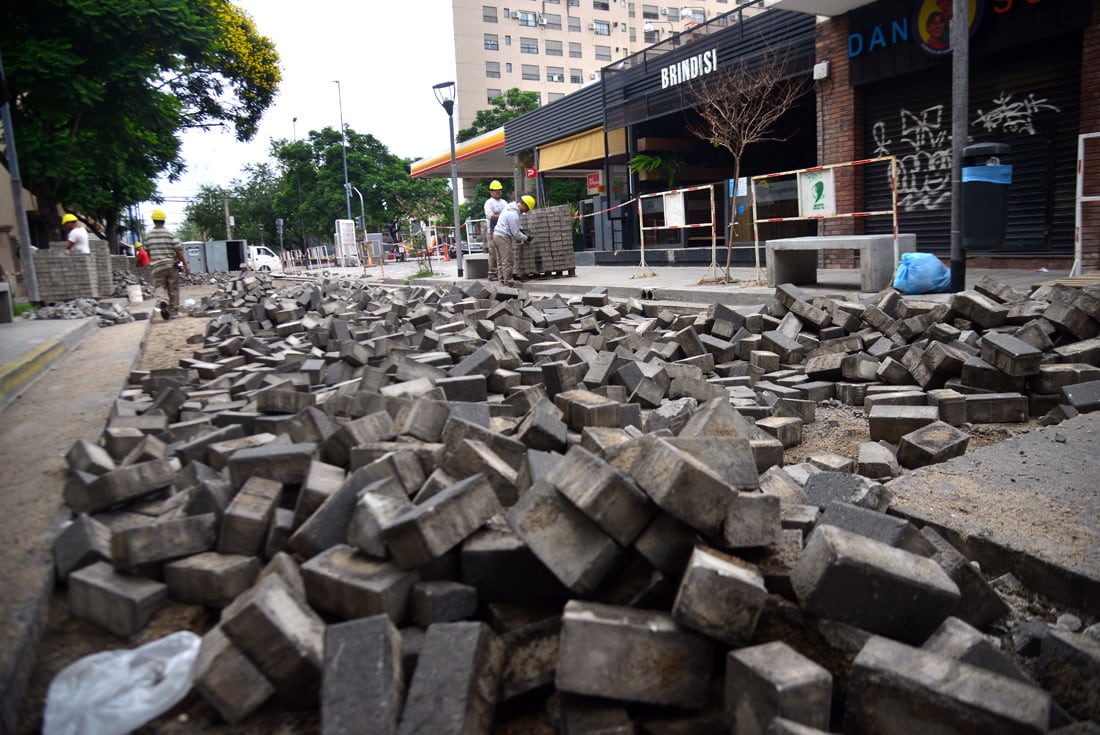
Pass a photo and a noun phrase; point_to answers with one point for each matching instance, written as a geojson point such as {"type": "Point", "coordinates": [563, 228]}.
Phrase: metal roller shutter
{"type": "Point", "coordinates": [1032, 106]}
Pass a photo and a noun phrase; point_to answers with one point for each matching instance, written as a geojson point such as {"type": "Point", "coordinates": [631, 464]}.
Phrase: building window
{"type": "Point", "coordinates": [507, 14]}
{"type": "Point", "coordinates": [601, 27]}
{"type": "Point", "coordinates": [491, 94]}
{"type": "Point", "coordinates": [576, 76]}
{"type": "Point", "coordinates": [555, 74]}
{"type": "Point", "coordinates": [489, 13]}
{"type": "Point", "coordinates": [492, 69]}
{"type": "Point", "coordinates": [556, 96]}
{"type": "Point", "coordinates": [527, 18]}
{"type": "Point", "coordinates": [697, 15]}
{"type": "Point", "coordinates": [650, 12]}
{"type": "Point", "coordinates": [633, 35]}
{"type": "Point", "coordinates": [574, 3]}
{"type": "Point", "coordinates": [601, 5]}
{"type": "Point", "coordinates": [492, 43]}
{"type": "Point", "coordinates": [553, 2]}
{"type": "Point", "coordinates": [508, 67]}
{"type": "Point", "coordinates": [622, 27]}
{"type": "Point", "coordinates": [553, 21]}
{"type": "Point", "coordinates": [630, 10]}
{"type": "Point", "coordinates": [529, 72]}
{"type": "Point", "coordinates": [651, 36]}
{"type": "Point", "coordinates": [507, 40]}
{"type": "Point", "coordinates": [553, 48]}
{"type": "Point", "coordinates": [574, 25]}
{"type": "Point", "coordinates": [673, 12]}
{"type": "Point", "coordinates": [603, 53]}
{"type": "Point", "coordinates": [574, 50]}
{"type": "Point", "coordinates": [528, 45]}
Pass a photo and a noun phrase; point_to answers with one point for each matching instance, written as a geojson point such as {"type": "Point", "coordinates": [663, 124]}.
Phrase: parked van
{"type": "Point", "coordinates": [260, 258]}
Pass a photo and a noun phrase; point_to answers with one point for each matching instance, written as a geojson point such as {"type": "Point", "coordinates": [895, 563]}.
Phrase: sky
{"type": "Point", "coordinates": [386, 58]}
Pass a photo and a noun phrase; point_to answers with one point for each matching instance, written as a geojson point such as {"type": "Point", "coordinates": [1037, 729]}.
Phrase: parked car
{"type": "Point", "coordinates": [468, 248]}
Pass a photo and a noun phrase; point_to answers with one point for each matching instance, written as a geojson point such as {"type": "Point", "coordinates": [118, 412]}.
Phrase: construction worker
{"type": "Point", "coordinates": [164, 252]}
{"type": "Point", "coordinates": [141, 254]}
{"type": "Point", "coordinates": [76, 235]}
{"type": "Point", "coordinates": [494, 205]}
{"type": "Point", "coordinates": [508, 234]}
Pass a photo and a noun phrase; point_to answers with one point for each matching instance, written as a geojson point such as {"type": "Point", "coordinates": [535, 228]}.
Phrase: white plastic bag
{"type": "Point", "coordinates": [114, 692]}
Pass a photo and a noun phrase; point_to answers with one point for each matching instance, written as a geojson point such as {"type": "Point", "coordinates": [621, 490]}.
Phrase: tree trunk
{"type": "Point", "coordinates": [733, 214]}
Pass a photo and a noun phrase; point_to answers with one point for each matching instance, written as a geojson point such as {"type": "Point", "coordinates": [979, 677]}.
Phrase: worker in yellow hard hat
{"type": "Point", "coordinates": [75, 234]}
{"type": "Point", "coordinates": [494, 205]}
{"type": "Point", "coordinates": [507, 236]}
{"type": "Point", "coordinates": [165, 251]}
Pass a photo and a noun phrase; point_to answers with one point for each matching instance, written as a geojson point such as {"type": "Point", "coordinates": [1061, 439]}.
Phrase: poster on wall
{"type": "Point", "coordinates": [816, 194]}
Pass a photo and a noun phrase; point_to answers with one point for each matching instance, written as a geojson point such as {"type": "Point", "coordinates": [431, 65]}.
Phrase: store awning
{"type": "Point", "coordinates": [582, 148]}
{"type": "Point", "coordinates": [478, 157]}
{"type": "Point", "coordinates": [830, 8]}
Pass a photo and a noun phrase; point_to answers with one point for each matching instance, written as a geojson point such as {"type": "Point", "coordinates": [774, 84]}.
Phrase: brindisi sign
{"type": "Point", "coordinates": [690, 68]}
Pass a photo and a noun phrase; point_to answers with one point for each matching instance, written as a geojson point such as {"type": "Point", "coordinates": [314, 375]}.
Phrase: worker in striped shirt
{"type": "Point", "coordinates": [164, 252]}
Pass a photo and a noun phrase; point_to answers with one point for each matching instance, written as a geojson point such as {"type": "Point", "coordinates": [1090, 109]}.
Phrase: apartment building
{"type": "Point", "coordinates": [554, 47]}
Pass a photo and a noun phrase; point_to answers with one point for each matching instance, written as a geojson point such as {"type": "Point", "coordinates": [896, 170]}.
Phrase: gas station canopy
{"type": "Point", "coordinates": [480, 157]}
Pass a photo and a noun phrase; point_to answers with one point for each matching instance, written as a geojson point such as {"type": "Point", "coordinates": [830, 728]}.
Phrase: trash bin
{"type": "Point", "coordinates": [985, 183]}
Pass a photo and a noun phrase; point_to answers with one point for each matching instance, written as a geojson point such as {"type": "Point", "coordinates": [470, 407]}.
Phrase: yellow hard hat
{"type": "Point", "coordinates": [68, 218]}
{"type": "Point", "coordinates": [159, 215]}
{"type": "Point", "coordinates": [529, 201]}
{"type": "Point", "coordinates": [495, 185]}
{"type": "Point", "coordinates": [137, 246]}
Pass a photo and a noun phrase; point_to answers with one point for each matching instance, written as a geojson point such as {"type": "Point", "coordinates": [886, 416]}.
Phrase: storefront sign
{"type": "Point", "coordinates": [690, 68]}
{"type": "Point", "coordinates": [595, 183]}
{"type": "Point", "coordinates": [816, 194]}
{"type": "Point", "coordinates": [532, 172]}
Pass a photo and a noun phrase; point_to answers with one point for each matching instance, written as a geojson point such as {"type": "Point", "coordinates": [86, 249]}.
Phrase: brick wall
{"type": "Point", "coordinates": [1090, 123]}
{"type": "Point", "coordinates": [64, 275]}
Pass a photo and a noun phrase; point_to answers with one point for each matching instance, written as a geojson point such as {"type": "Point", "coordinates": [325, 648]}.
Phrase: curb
{"type": "Point", "coordinates": [16, 375]}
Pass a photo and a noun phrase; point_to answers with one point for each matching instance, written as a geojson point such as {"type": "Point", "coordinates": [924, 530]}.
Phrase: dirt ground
{"type": "Point", "coordinates": [837, 428]}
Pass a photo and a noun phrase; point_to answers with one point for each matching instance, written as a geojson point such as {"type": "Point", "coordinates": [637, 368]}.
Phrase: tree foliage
{"type": "Point", "coordinates": [101, 89]}
{"type": "Point", "coordinates": [509, 105]}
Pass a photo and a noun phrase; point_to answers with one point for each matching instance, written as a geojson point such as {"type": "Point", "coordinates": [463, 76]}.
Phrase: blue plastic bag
{"type": "Point", "coordinates": [922, 273]}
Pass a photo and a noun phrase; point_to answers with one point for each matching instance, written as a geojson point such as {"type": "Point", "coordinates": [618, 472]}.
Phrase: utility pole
{"type": "Point", "coordinates": [228, 219]}
{"type": "Point", "coordinates": [25, 248]}
{"type": "Point", "coordinates": [960, 93]}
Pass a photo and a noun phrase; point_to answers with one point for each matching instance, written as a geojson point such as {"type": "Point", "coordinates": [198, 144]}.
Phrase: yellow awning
{"type": "Point", "coordinates": [483, 143]}
{"type": "Point", "coordinates": [581, 148]}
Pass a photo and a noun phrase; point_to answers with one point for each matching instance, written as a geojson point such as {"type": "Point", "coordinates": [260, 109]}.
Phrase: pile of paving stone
{"type": "Point", "coordinates": [432, 509]}
{"type": "Point", "coordinates": [123, 279]}
{"type": "Point", "coordinates": [107, 313]}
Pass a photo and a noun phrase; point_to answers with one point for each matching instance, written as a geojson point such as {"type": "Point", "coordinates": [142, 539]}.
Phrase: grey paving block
{"type": "Point", "coordinates": [88, 457]}
{"type": "Point", "coordinates": [246, 521]}
{"type": "Point", "coordinates": [281, 635]}
{"type": "Point", "coordinates": [119, 602]}
{"type": "Point", "coordinates": [328, 525]}
{"type": "Point", "coordinates": [752, 519]}
{"type": "Point", "coordinates": [162, 540]}
{"type": "Point", "coordinates": [121, 485]}
{"type": "Point", "coordinates": [963, 642]}
{"type": "Point", "coordinates": [81, 542]}
{"type": "Point", "coordinates": [980, 604]}
{"type": "Point", "coordinates": [996, 408]}
{"type": "Point", "coordinates": [898, 689]}
{"type": "Point", "coordinates": [285, 463]}
{"type": "Point", "coordinates": [321, 481]}
{"type": "Point", "coordinates": [890, 530]}
{"type": "Point", "coordinates": [931, 444]}
{"type": "Point", "coordinates": [442, 601]}
{"type": "Point", "coordinates": [345, 582]}
{"type": "Point", "coordinates": [227, 680]}
{"type": "Point", "coordinates": [788, 430]}
{"type": "Point", "coordinates": [773, 680]}
{"type": "Point", "coordinates": [681, 485]}
{"type": "Point", "coordinates": [891, 423]}
{"type": "Point", "coordinates": [1085, 397]}
{"type": "Point", "coordinates": [379, 504]}
{"type": "Point", "coordinates": [607, 496]}
{"type": "Point", "coordinates": [456, 680]}
{"type": "Point", "coordinates": [911, 595]}
{"type": "Point", "coordinates": [1012, 355]}
{"type": "Point", "coordinates": [720, 596]}
{"type": "Point", "coordinates": [355, 697]}
{"type": "Point", "coordinates": [1069, 667]}
{"type": "Point", "coordinates": [876, 461]}
{"type": "Point", "coordinates": [210, 578]}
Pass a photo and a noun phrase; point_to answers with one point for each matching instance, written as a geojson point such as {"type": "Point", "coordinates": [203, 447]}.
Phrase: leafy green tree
{"type": "Point", "coordinates": [205, 213]}
{"type": "Point", "coordinates": [101, 89]}
{"type": "Point", "coordinates": [509, 105]}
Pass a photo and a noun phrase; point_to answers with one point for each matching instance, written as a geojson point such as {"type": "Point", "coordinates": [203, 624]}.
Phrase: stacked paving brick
{"type": "Point", "coordinates": [423, 510]}
{"type": "Point", "coordinates": [64, 275]}
{"type": "Point", "coordinates": [551, 252]}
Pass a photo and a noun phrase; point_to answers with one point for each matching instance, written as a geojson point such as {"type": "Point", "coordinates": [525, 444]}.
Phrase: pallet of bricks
{"type": "Point", "coordinates": [551, 252]}
{"type": "Point", "coordinates": [64, 275]}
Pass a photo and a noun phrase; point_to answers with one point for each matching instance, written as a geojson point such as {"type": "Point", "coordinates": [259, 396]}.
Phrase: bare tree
{"type": "Point", "coordinates": [739, 104]}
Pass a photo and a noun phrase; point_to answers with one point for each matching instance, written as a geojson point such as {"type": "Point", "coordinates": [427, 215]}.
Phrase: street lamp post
{"type": "Point", "coordinates": [298, 176]}
{"type": "Point", "coordinates": [344, 147]}
{"type": "Point", "coordinates": [445, 94]}
{"type": "Point", "coordinates": [363, 216]}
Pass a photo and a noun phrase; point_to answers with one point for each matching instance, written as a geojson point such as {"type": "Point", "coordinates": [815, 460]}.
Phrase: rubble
{"type": "Point", "coordinates": [477, 496]}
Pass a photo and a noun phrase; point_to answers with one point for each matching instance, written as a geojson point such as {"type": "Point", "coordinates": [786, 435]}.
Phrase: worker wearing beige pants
{"type": "Point", "coordinates": [506, 234]}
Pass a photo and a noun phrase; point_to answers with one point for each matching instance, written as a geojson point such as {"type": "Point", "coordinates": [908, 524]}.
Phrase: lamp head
{"type": "Point", "coordinates": [445, 95]}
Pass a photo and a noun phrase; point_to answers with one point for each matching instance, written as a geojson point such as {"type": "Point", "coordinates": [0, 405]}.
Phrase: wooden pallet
{"type": "Point", "coordinates": [1086, 279]}
{"type": "Point", "coordinates": [562, 273]}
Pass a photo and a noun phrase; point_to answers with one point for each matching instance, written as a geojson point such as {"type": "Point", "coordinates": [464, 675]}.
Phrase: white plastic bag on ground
{"type": "Point", "coordinates": [114, 692]}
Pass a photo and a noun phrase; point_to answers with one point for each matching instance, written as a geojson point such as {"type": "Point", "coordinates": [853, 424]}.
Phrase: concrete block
{"type": "Point", "coordinates": [996, 408]}
{"type": "Point", "coordinates": [667, 543]}
{"type": "Point", "coordinates": [442, 601]}
{"type": "Point", "coordinates": [832, 462]}
{"type": "Point", "coordinates": [227, 680]}
{"type": "Point", "coordinates": [121, 485]}
{"type": "Point", "coordinates": [631, 655]}
{"type": "Point", "coordinates": [899, 689]}
{"type": "Point", "coordinates": [681, 485]}
{"type": "Point", "coordinates": [281, 635]}
{"type": "Point", "coordinates": [1084, 397]}
{"type": "Point", "coordinates": [607, 496]}
{"type": "Point", "coordinates": [363, 682]}
{"type": "Point", "coordinates": [425, 532]}
{"type": "Point", "coordinates": [1071, 320]}
{"type": "Point", "coordinates": [961, 641]}
{"type": "Point", "coordinates": [912, 594]}
{"type": "Point", "coordinates": [890, 530]}
{"type": "Point", "coordinates": [1012, 355]}
{"type": "Point", "coordinates": [564, 539]}
{"type": "Point", "coordinates": [788, 430]}
{"type": "Point", "coordinates": [163, 540]}
{"type": "Point", "coordinates": [379, 504]}
{"type": "Point", "coordinates": [423, 420]}
{"type": "Point", "coordinates": [931, 444]}
{"type": "Point", "coordinates": [720, 596]}
{"type": "Point", "coordinates": [773, 680]}
{"type": "Point", "coordinates": [543, 428]}
{"type": "Point", "coordinates": [860, 367]}
{"type": "Point", "coordinates": [81, 542]}
{"type": "Point", "coordinates": [246, 521]}
{"type": "Point", "coordinates": [88, 457]}
{"type": "Point", "coordinates": [977, 373]}
{"type": "Point", "coordinates": [1069, 667]}
{"type": "Point", "coordinates": [328, 525]}
{"type": "Point", "coordinates": [951, 405]}
{"type": "Point", "coordinates": [979, 309]}
{"type": "Point", "coordinates": [285, 463]}
{"type": "Point", "coordinates": [891, 423]}
{"type": "Point", "coordinates": [587, 715]}
{"type": "Point", "coordinates": [501, 567]}
{"type": "Point", "coordinates": [753, 519]}
{"type": "Point", "coordinates": [121, 603]}
{"type": "Point", "coordinates": [980, 604]}
{"type": "Point", "coordinates": [347, 583]}
{"type": "Point", "coordinates": [454, 687]}
{"type": "Point", "coordinates": [377, 426]}
{"type": "Point", "coordinates": [210, 579]}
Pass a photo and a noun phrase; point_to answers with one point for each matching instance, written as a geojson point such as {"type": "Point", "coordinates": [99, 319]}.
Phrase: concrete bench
{"type": "Point", "coordinates": [794, 259]}
{"type": "Point", "coordinates": [476, 265]}
{"type": "Point", "coordinates": [7, 313]}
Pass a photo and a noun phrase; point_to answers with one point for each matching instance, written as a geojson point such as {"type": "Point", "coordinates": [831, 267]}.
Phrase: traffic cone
{"type": "Point", "coordinates": [370, 260]}
{"type": "Point", "coordinates": [446, 257]}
